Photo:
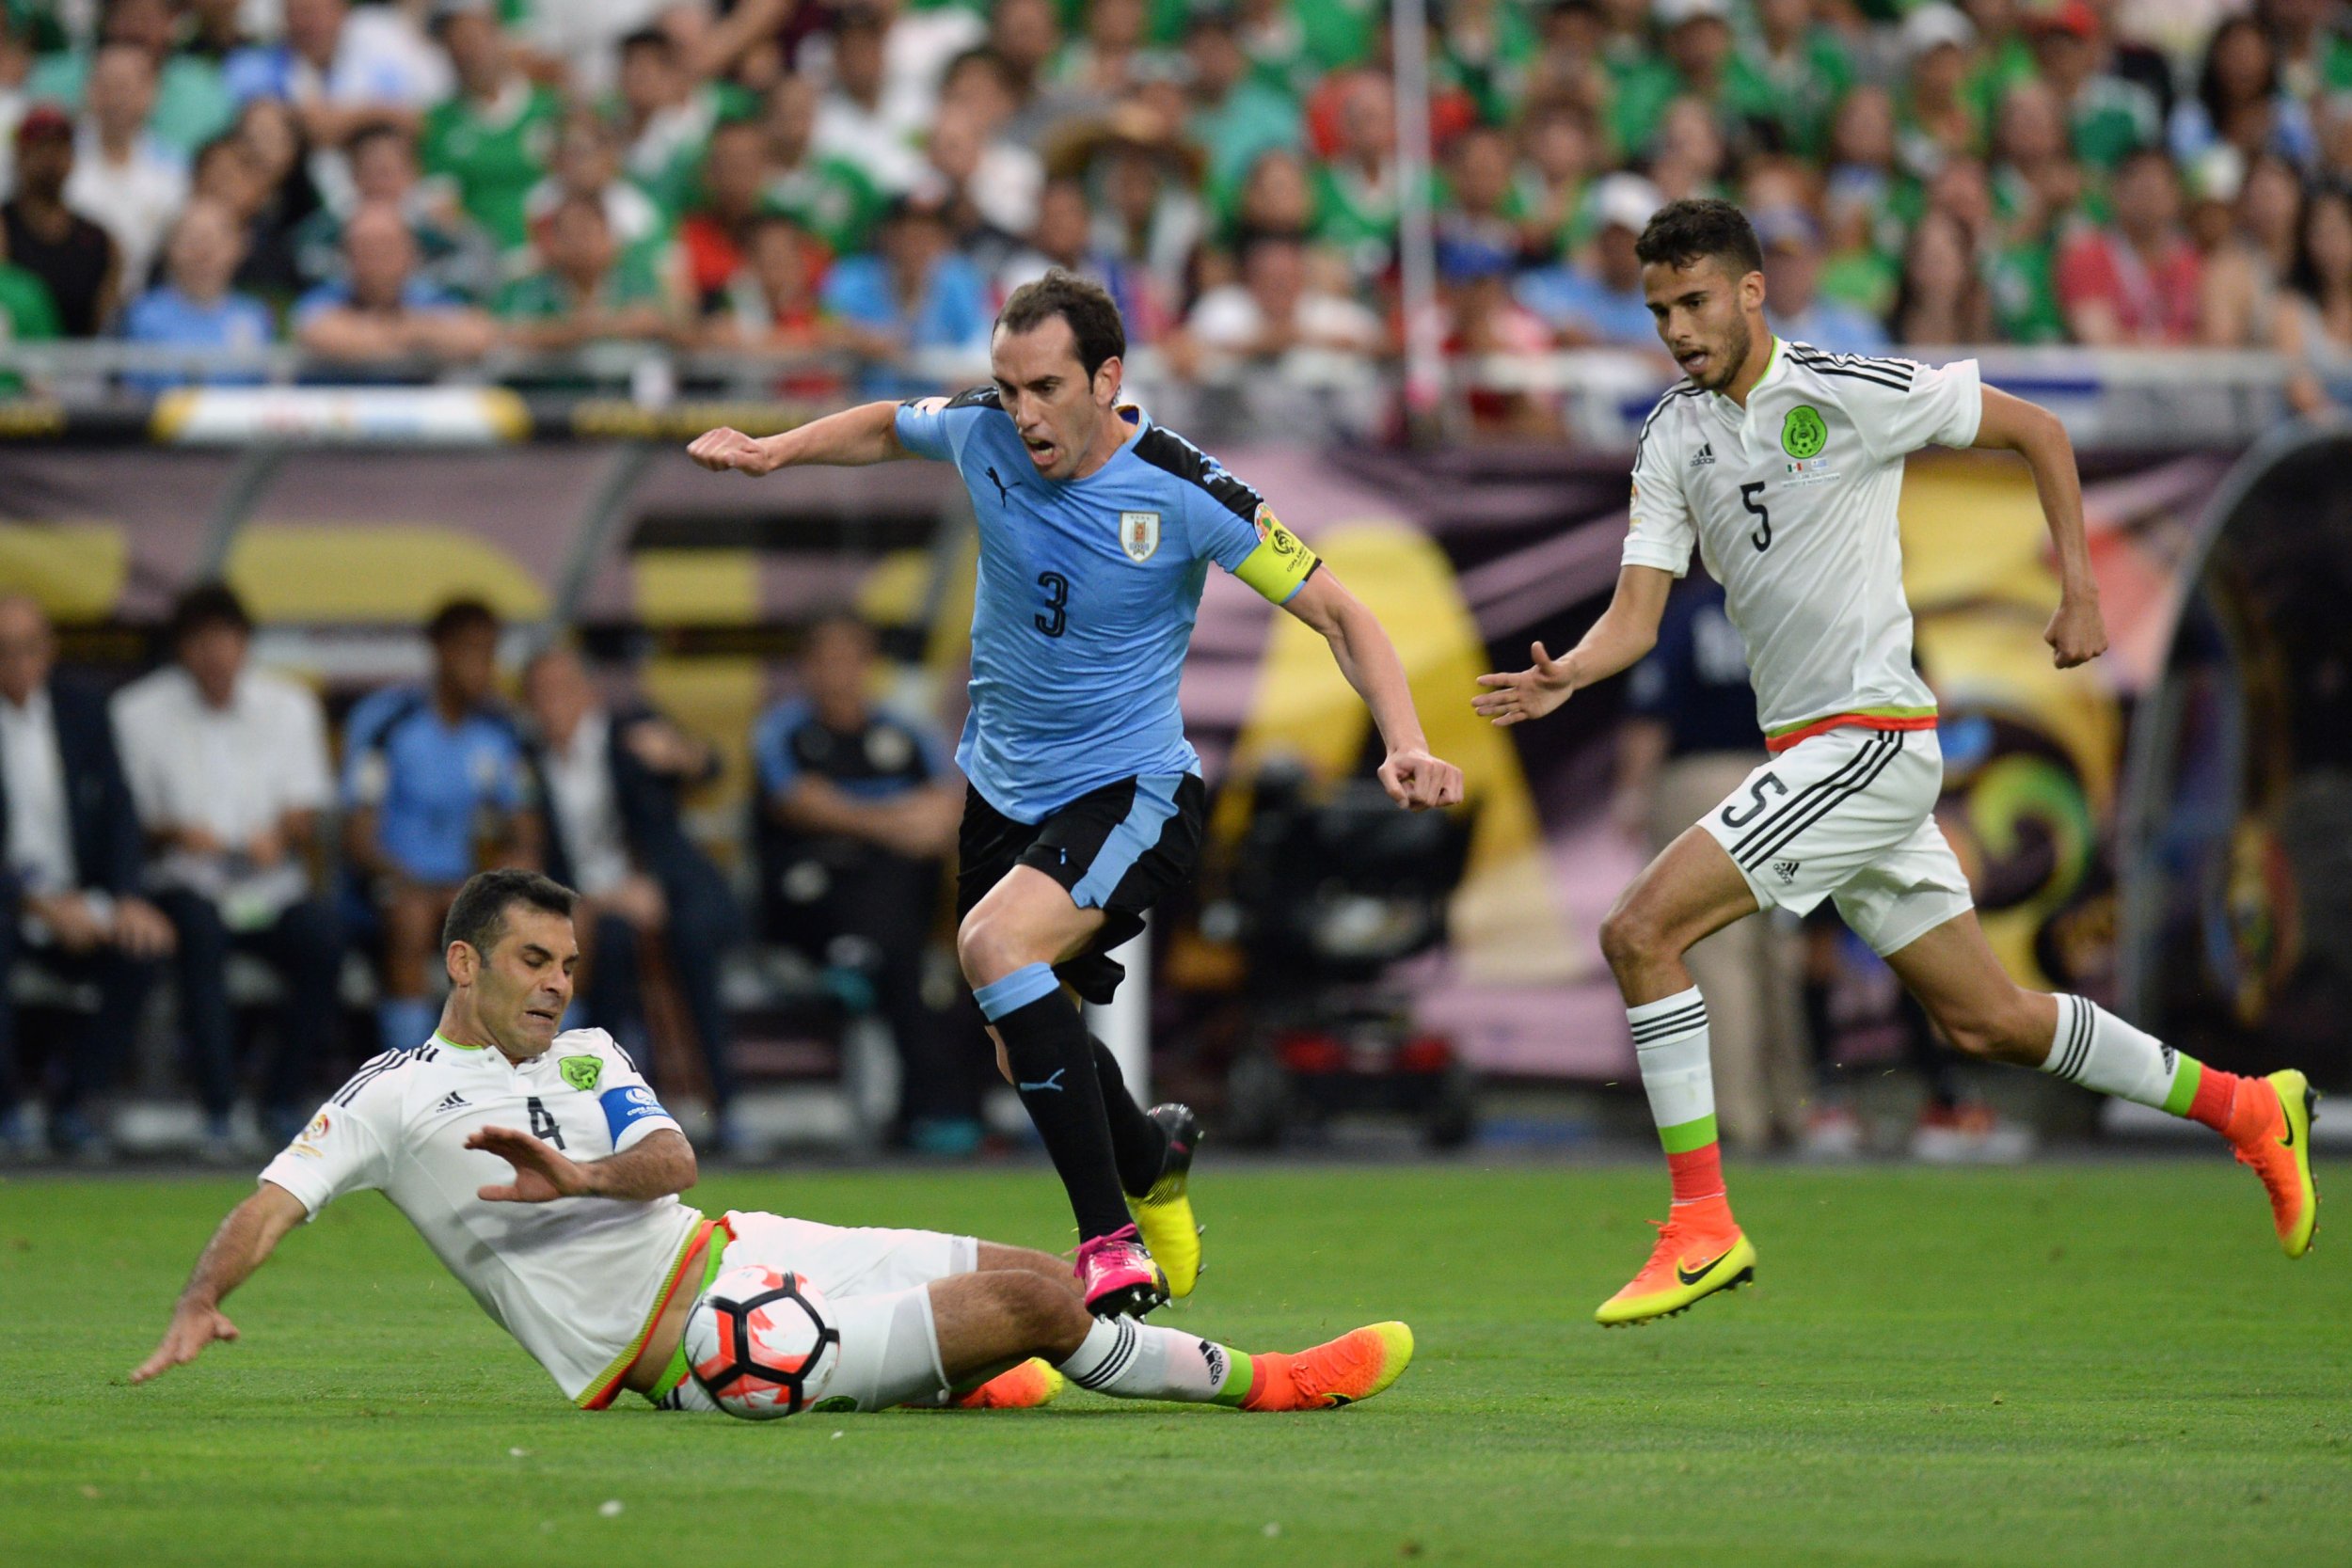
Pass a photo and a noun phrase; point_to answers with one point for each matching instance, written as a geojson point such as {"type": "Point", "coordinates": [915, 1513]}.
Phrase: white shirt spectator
{"type": "Point", "coordinates": [235, 772]}
{"type": "Point", "coordinates": [580, 786]}
{"type": "Point", "coordinates": [134, 201]}
{"type": "Point", "coordinates": [1230, 319]}
{"type": "Point", "coordinates": [41, 833]}
{"type": "Point", "coordinates": [880, 144]}
{"type": "Point", "coordinates": [629, 213]}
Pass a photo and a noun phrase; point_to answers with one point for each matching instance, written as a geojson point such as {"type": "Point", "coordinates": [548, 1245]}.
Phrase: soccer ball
{"type": "Point", "coordinates": [761, 1343]}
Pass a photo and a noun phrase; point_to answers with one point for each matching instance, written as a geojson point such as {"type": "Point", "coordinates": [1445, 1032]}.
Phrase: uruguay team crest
{"type": "Point", "coordinates": [581, 1072]}
{"type": "Point", "coordinates": [1140, 535]}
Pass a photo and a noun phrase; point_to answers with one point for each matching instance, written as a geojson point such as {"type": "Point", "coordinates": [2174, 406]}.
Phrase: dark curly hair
{"type": "Point", "coordinates": [1087, 306]}
{"type": "Point", "coordinates": [1698, 229]}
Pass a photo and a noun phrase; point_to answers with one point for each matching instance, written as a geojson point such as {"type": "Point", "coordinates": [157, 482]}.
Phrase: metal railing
{"type": "Point", "coordinates": [2134, 399]}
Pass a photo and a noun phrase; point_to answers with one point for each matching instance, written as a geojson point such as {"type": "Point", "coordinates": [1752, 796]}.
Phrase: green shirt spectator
{"type": "Point", "coordinates": [191, 104]}
{"type": "Point", "coordinates": [27, 316]}
{"type": "Point", "coordinates": [2110, 116]}
{"type": "Point", "coordinates": [1790, 74]}
{"type": "Point", "coordinates": [1236, 117]}
{"type": "Point", "coordinates": [2024, 295]}
{"type": "Point", "coordinates": [830, 197]}
{"type": "Point", "coordinates": [590, 288]}
{"type": "Point", "coordinates": [491, 140]}
{"type": "Point", "coordinates": [1486, 50]}
{"type": "Point", "coordinates": [666, 119]}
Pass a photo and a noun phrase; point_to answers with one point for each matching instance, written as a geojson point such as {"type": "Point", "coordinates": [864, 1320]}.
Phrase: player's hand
{"type": "Point", "coordinates": [1519, 695]}
{"type": "Point", "coordinates": [192, 1328]}
{"type": "Point", "coordinates": [542, 1174]}
{"type": "Point", "coordinates": [722, 448]}
{"type": "Point", "coordinates": [1419, 782]}
{"type": "Point", "coordinates": [2078, 633]}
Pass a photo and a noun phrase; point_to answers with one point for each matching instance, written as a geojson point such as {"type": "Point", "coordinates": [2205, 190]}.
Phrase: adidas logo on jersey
{"type": "Point", "coordinates": [1786, 870]}
{"type": "Point", "coordinates": [451, 1102]}
{"type": "Point", "coordinates": [1705, 455]}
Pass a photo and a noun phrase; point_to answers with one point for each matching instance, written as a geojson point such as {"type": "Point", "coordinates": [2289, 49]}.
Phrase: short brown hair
{"type": "Point", "coordinates": [1086, 305]}
{"type": "Point", "coordinates": [477, 917]}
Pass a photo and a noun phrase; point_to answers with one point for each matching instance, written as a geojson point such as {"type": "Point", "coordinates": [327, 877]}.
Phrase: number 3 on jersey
{"type": "Point", "coordinates": [1055, 622]}
{"type": "Point", "coordinates": [1762, 537]}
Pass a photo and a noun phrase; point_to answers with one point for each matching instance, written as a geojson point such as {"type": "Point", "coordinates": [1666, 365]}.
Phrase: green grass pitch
{"type": "Point", "coordinates": [2098, 1363]}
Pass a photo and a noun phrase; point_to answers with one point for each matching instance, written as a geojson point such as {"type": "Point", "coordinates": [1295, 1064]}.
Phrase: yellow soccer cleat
{"type": "Point", "coordinates": [1023, 1387]}
{"type": "Point", "coordinates": [1348, 1371]}
{"type": "Point", "coordinates": [1695, 1256]}
{"type": "Point", "coordinates": [1164, 1215]}
{"type": "Point", "coordinates": [2279, 1147]}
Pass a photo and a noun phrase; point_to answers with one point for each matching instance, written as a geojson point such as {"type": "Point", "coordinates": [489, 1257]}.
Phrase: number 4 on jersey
{"type": "Point", "coordinates": [543, 1126]}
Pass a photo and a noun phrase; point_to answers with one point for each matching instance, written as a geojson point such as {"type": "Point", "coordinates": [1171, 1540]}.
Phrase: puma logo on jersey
{"type": "Point", "coordinates": [1001, 493]}
{"type": "Point", "coordinates": [451, 1102]}
{"type": "Point", "coordinates": [1785, 870]}
{"type": "Point", "coordinates": [1705, 455]}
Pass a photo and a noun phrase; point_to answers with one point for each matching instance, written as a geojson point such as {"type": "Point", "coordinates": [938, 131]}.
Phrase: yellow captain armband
{"type": "Point", "coordinates": [1281, 565]}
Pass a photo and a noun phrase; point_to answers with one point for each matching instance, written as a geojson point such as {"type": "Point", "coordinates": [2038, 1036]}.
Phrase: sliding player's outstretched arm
{"type": "Point", "coordinates": [851, 439]}
{"type": "Point", "coordinates": [1625, 630]}
{"type": "Point", "coordinates": [656, 1165]}
{"type": "Point", "coordinates": [2078, 633]}
{"type": "Point", "coordinates": [1413, 778]}
{"type": "Point", "coordinates": [244, 1242]}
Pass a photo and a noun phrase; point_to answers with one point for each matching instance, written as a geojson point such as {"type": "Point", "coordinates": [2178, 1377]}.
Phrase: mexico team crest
{"type": "Point", "coordinates": [581, 1072]}
{"type": "Point", "coordinates": [1140, 535]}
{"type": "Point", "coordinates": [1804, 433]}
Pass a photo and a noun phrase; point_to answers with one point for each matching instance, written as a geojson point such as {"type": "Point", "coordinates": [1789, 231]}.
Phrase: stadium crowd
{"type": "Point", "coordinates": [148, 834]}
{"type": "Point", "coordinates": [389, 186]}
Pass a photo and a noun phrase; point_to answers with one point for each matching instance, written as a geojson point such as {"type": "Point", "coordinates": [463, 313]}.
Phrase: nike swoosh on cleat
{"type": "Point", "coordinates": [1692, 1277]}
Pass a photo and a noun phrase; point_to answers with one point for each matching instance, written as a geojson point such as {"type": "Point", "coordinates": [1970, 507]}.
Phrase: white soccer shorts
{"type": "Point", "coordinates": [876, 1285]}
{"type": "Point", "coordinates": [1849, 815]}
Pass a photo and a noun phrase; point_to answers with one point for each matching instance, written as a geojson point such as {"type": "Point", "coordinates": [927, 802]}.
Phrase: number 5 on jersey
{"type": "Point", "coordinates": [1761, 536]}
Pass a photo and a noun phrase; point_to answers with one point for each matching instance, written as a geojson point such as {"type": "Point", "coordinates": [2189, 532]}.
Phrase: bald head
{"type": "Point", "coordinates": [28, 649]}
{"type": "Point", "coordinates": [382, 253]}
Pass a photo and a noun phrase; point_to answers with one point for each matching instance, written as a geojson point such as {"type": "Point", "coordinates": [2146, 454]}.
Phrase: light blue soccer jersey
{"type": "Point", "coordinates": [1087, 590]}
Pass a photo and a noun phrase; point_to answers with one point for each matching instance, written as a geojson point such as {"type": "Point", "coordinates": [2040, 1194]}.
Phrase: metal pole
{"type": "Point", "coordinates": [1424, 358]}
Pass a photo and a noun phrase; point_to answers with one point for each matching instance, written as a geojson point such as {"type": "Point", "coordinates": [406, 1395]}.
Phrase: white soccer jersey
{"type": "Point", "coordinates": [576, 1280]}
{"type": "Point", "coordinates": [1791, 503]}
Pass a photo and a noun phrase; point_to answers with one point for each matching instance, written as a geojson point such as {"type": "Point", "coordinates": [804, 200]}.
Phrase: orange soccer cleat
{"type": "Point", "coordinates": [1023, 1387]}
{"type": "Point", "coordinates": [1349, 1370]}
{"type": "Point", "coordinates": [2270, 1126]}
{"type": "Point", "coordinates": [1700, 1250]}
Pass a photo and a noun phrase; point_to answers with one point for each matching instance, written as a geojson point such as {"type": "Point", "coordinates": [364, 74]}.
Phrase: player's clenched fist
{"type": "Point", "coordinates": [2078, 633]}
{"type": "Point", "coordinates": [722, 448]}
{"type": "Point", "coordinates": [1419, 782]}
{"type": "Point", "coordinates": [1517, 696]}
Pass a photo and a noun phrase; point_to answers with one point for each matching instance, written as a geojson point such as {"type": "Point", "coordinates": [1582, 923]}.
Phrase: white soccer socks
{"type": "Point", "coordinates": [1670, 1042]}
{"type": "Point", "coordinates": [1132, 1360]}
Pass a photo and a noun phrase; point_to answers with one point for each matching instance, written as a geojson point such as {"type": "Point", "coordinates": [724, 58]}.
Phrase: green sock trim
{"type": "Point", "coordinates": [2187, 1073]}
{"type": "Point", "coordinates": [1684, 1136]}
{"type": "Point", "coordinates": [1235, 1387]}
